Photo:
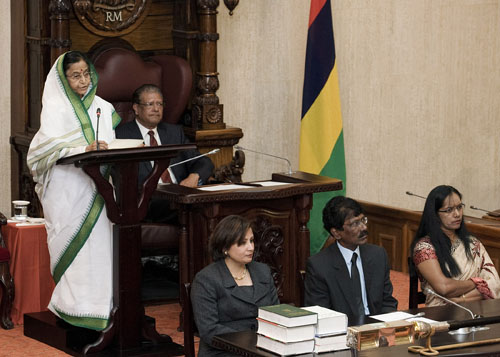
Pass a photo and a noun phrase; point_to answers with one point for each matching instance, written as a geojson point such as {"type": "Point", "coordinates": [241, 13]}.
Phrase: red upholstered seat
{"type": "Point", "coordinates": [121, 71]}
{"type": "Point", "coordinates": [4, 255]}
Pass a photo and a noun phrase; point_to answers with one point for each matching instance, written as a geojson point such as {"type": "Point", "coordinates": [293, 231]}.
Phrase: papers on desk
{"type": "Point", "coordinates": [125, 143]}
{"type": "Point", "coordinates": [30, 221]}
{"type": "Point", "coordinates": [401, 315]}
{"type": "Point", "coordinates": [239, 186]}
{"type": "Point", "coordinates": [272, 183]}
{"type": "Point", "coordinates": [223, 187]}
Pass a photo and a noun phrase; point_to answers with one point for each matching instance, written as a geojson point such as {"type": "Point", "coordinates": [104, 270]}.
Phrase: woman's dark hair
{"type": "Point", "coordinates": [74, 57]}
{"type": "Point", "coordinates": [230, 230]}
{"type": "Point", "coordinates": [430, 225]}
{"type": "Point", "coordinates": [337, 210]}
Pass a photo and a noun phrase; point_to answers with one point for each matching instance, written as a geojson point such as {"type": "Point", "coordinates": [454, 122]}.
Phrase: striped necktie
{"type": "Point", "coordinates": [165, 176]}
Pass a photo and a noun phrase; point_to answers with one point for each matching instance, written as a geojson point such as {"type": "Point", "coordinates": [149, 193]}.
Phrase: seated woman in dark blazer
{"type": "Point", "coordinates": [226, 294]}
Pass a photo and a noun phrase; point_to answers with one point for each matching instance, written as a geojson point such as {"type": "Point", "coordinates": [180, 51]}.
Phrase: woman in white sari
{"type": "Point", "coordinates": [79, 232]}
{"type": "Point", "coordinates": [448, 259]}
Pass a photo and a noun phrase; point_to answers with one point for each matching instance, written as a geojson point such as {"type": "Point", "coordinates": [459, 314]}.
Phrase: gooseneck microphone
{"type": "Point", "coordinates": [432, 292]}
{"type": "Point", "coordinates": [172, 176]}
{"type": "Point", "coordinates": [413, 194]}
{"type": "Point", "coordinates": [98, 114]}
{"type": "Point", "coordinates": [196, 157]}
{"type": "Point", "coordinates": [490, 213]}
{"type": "Point", "coordinates": [238, 147]}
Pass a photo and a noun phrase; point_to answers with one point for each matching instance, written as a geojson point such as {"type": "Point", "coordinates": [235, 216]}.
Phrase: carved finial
{"type": "Point", "coordinates": [208, 4]}
{"type": "Point", "coordinates": [231, 4]}
{"type": "Point", "coordinates": [59, 7]}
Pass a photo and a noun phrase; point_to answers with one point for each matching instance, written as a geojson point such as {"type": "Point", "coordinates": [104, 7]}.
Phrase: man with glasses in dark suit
{"type": "Point", "coordinates": [148, 126]}
{"type": "Point", "coordinates": [349, 276]}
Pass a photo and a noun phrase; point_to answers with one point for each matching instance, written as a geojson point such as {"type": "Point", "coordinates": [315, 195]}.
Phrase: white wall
{"type": "Point", "coordinates": [5, 149]}
{"type": "Point", "coordinates": [419, 84]}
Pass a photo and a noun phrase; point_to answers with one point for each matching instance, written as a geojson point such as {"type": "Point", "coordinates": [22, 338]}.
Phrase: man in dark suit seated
{"type": "Point", "coordinates": [349, 276]}
{"type": "Point", "coordinates": [148, 107]}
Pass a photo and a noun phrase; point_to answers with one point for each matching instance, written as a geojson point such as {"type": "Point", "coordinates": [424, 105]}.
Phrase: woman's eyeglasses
{"type": "Point", "coordinates": [77, 77]}
{"type": "Point", "coordinates": [450, 210]}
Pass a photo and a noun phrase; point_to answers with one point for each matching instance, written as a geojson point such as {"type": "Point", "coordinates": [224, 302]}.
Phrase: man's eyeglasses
{"type": "Point", "coordinates": [357, 223]}
{"type": "Point", "coordinates": [76, 77]}
{"type": "Point", "coordinates": [450, 210]}
{"type": "Point", "coordinates": [152, 104]}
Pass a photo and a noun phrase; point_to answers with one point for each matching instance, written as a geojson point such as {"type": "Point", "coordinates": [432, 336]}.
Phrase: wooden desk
{"type": "Point", "coordinates": [243, 343]}
{"type": "Point", "coordinates": [280, 213]}
{"type": "Point", "coordinates": [30, 268]}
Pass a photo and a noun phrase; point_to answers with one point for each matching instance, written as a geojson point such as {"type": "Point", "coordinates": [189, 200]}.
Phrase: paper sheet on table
{"type": "Point", "coordinates": [223, 187]}
{"type": "Point", "coordinates": [125, 143]}
{"type": "Point", "coordinates": [401, 315]}
{"type": "Point", "coordinates": [272, 183]}
{"type": "Point", "coordinates": [393, 316]}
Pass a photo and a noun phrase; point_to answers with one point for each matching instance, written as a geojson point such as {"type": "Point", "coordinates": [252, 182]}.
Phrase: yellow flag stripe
{"type": "Point", "coordinates": [321, 127]}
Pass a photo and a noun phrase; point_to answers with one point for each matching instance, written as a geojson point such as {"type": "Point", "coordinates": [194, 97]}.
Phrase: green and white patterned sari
{"type": "Point", "coordinates": [79, 232]}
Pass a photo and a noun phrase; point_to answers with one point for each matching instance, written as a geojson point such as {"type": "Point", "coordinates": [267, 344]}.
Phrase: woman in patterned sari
{"type": "Point", "coordinates": [448, 259]}
{"type": "Point", "coordinates": [79, 233]}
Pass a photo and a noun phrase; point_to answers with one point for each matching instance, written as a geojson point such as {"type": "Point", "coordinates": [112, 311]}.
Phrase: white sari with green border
{"type": "Point", "coordinates": [79, 232]}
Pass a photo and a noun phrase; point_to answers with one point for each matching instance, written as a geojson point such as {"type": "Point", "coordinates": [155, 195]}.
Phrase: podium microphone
{"type": "Point", "coordinates": [98, 114]}
{"type": "Point", "coordinates": [432, 292]}
{"type": "Point", "coordinates": [237, 147]}
{"type": "Point", "coordinates": [489, 213]}
{"type": "Point", "coordinates": [413, 194]}
{"type": "Point", "coordinates": [172, 176]}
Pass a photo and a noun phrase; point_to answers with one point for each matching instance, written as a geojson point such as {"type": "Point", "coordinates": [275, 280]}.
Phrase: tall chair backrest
{"type": "Point", "coordinates": [121, 71]}
{"type": "Point", "coordinates": [415, 297]}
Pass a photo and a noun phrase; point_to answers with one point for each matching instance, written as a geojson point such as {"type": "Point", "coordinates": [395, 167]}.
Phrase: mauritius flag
{"type": "Point", "coordinates": [321, 134]}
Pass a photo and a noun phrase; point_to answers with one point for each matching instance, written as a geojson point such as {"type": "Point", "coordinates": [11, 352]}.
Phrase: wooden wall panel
{"type": "Point", "coordinates": [394, 229]}
{"type": "Point", "coordinates": [154, 34]}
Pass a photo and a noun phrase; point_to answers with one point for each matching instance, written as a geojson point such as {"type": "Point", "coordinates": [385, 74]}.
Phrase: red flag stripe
{"type": "Point", "coordinates": [316, 6]}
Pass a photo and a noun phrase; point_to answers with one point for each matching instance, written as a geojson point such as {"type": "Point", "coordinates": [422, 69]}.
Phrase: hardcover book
{"type": "Point", "coordinates": [330, 343]}
{"type": "Point", "coordinates": [285, 349]}
{"type": "Point", "coordinates": [330, 322]}
{"type": "Point", "coordinates": [287, 315]}
{"type": "Point", "coordinates": [285, 334]}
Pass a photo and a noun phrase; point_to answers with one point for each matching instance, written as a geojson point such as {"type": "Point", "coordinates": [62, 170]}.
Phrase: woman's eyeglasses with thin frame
{"type": "Point", "coordinates": [450, 210]}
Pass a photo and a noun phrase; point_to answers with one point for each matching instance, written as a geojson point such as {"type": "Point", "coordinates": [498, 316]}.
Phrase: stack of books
{"type": "Point", "coordinates": [286, 330]}
{"type": "Point", "coordinates": [331, 330]}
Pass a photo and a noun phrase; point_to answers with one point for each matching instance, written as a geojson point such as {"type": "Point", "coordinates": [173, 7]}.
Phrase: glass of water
{"type": "Point", "coordinates": [20, 210]}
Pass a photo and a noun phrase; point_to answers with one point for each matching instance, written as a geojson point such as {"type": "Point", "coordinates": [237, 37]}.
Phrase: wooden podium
{"type": "Point", "coordinates": [130, 332]}
{"type": "Point", "coordinates": [280, 213]}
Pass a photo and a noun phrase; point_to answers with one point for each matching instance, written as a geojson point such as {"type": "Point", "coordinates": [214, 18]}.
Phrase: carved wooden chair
{"type": "Point", "coordinates": [415, 297]}
{"type": "Point", "coordinates": [6, 282]}
{"type": "Point", "coordinates": [121, 71]}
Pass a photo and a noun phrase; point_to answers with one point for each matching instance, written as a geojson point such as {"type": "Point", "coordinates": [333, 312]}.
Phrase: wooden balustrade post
{"type": "Point", "coordinates": [207, 111]}
{"type": "Point", "coordinates": [59, 28]}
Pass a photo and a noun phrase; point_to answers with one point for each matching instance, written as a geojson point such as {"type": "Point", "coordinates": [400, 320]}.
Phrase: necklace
{"type": "Point", "coordinates": [242, 276]}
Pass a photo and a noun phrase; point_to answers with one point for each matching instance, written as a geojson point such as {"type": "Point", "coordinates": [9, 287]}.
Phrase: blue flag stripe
{"type": "Point", "coordinates": [320, 56]}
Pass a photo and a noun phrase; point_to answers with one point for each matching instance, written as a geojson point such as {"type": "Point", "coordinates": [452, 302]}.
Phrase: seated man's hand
{"type": "Point", "coordinates": [191, 180]}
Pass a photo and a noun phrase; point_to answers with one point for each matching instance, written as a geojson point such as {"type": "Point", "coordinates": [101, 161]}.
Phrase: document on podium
{"type": "Point", "coordinates": [230, 186]}
{"type": "Point", "coordinates": [240, 185]}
